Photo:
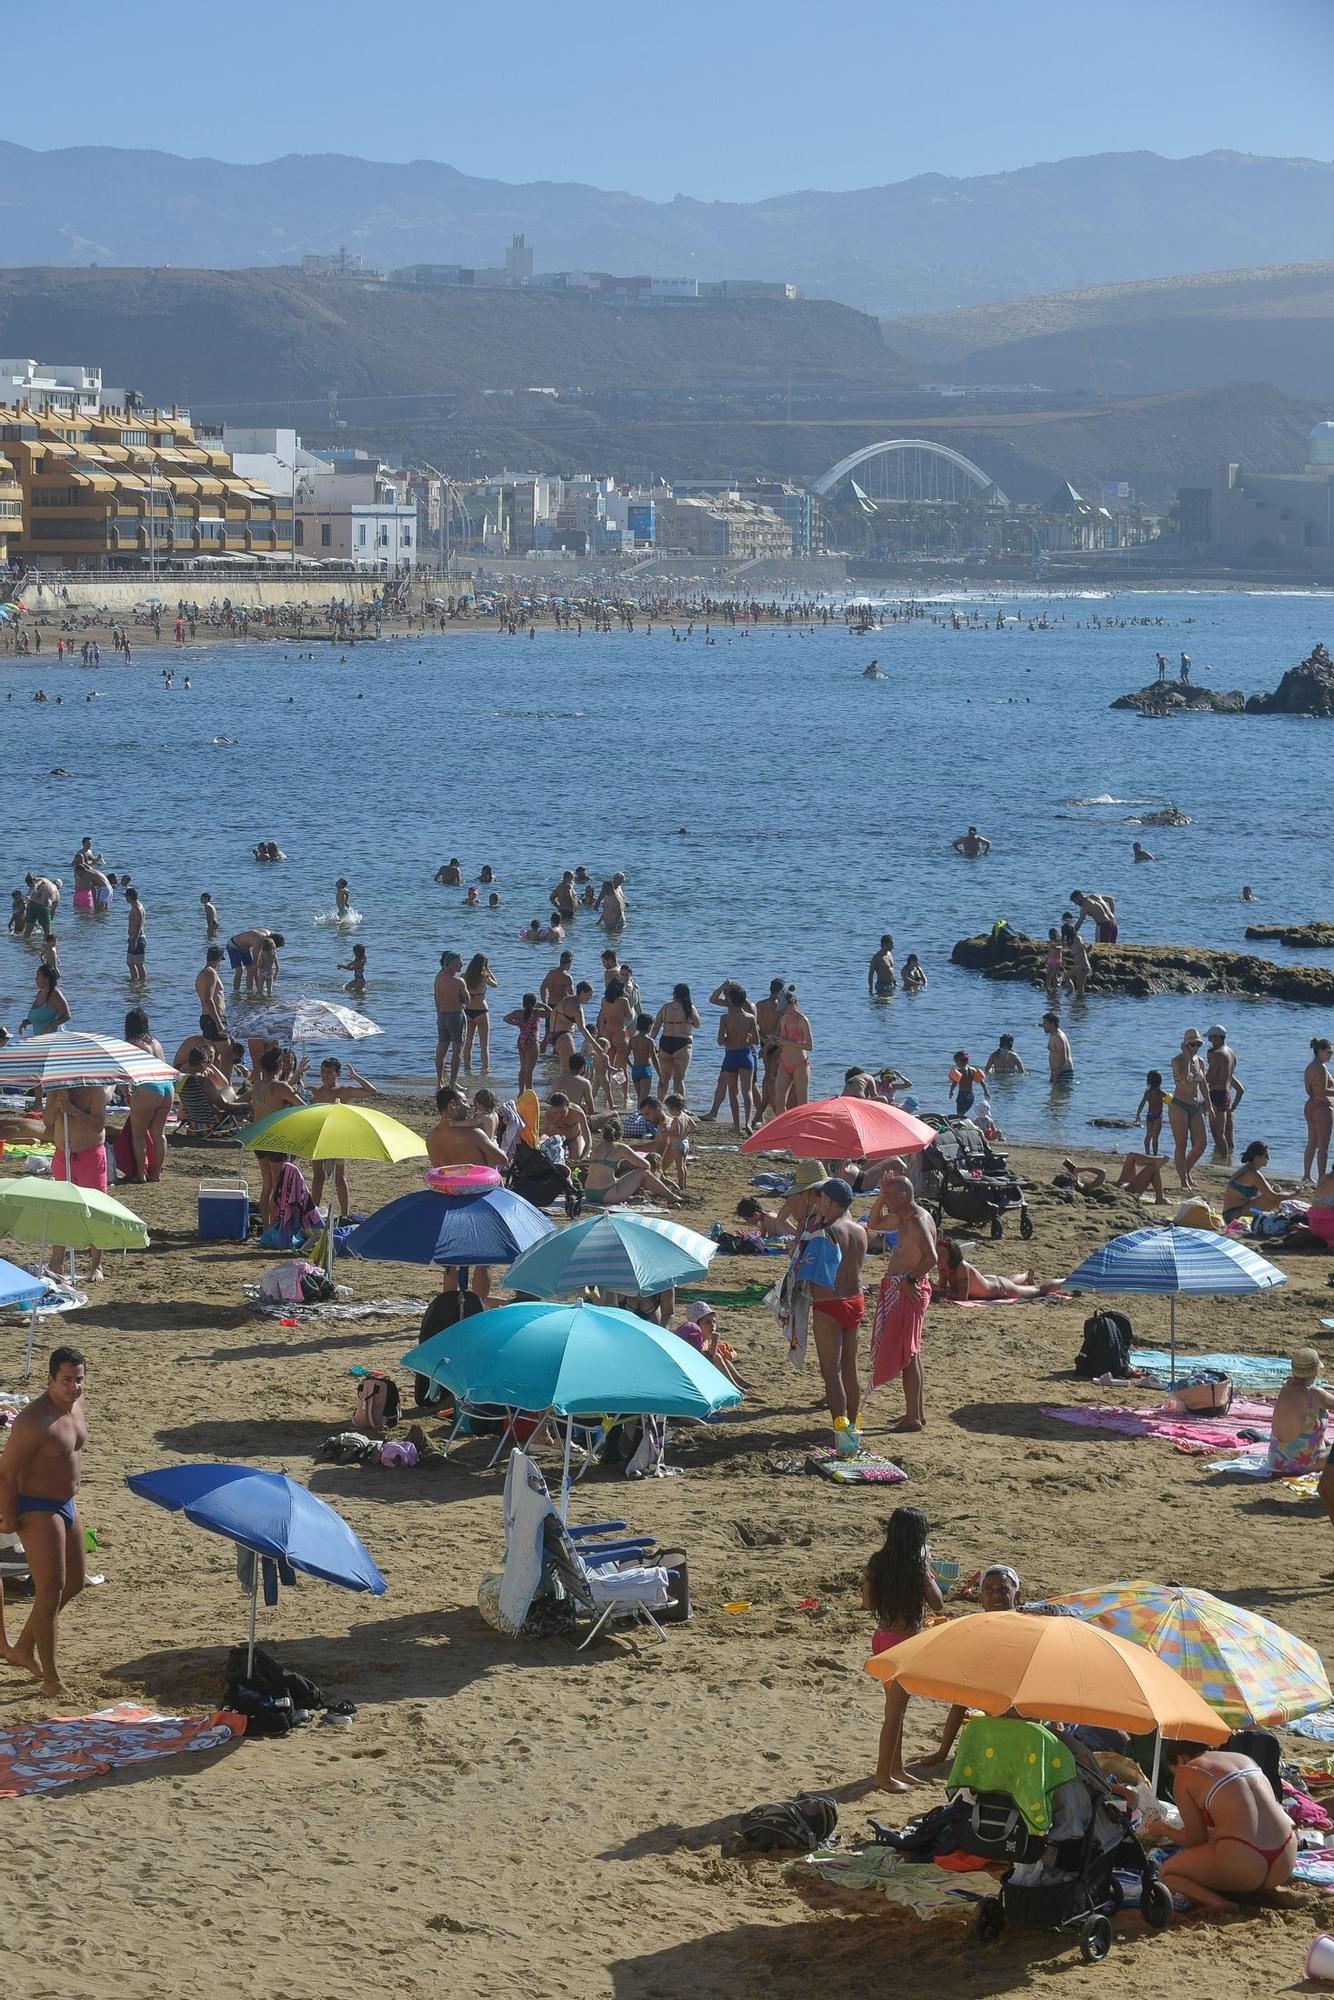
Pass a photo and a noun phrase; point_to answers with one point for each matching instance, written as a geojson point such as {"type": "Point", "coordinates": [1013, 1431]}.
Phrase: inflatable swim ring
{"type": "Point", "coordinates": [462, 1180]}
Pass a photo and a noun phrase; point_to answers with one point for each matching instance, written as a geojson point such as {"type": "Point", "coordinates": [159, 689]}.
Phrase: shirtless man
{"type": "Point", "coordinates": [563, 898]}
{"type": "Point", "coordinates": [738, 1038]}
{"type": "Point", "coordinates": [136, 942]}
{"type": "Point", "coordinates": [76, 1125]}
{"type": "Point", "coordinates": [1100, 910]}
{"type": "Point", "coordinates": [42, 903]}
{"type": "Point", "coordinates": [573, 1083]}
{"type": "Point", "coordinates": [565, 1121]}
{"type": "Point", "coordinates": [39, 1479]}
{"type": "Point", "coordinates": [971, 844]}
{"type": "Point", "coordinates": [457, 1140]}
{"type": "Point", "coordinates": [209, 987]}
{"type": "Point", "coordinates": [611, 905]}
{"type": "Point", "coordinates": [1060, 1057]}
{"type": "Point", "coordinates": [837, 1310]}
{"type": "Point", "coordinates": [451, 1000]}
{"type": "Point", "coordinates": [449, 873]}
{"type": "Point", "coordinates": [212, 1039]}
{"type": "Point", "coordinates": [881, 978]}
{"type": "Point", "coordinates": [557, 986]}
{"type": "Point", "coordinates": [1225, 1093]}
{"type": "Point", "coordinates": [243, 953]}
{"type": "Point", "coordinates": [905, 1294]}
{"type": "Point", "coordinates": [768, 1013]}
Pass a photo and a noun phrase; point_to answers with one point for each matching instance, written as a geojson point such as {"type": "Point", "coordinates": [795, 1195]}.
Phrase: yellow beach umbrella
{"type": "Point", "coordinates": [334, 1132]}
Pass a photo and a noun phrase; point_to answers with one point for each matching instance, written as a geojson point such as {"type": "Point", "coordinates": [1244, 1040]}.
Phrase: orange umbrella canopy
{"type": "Point", "coordinates": [841, 1128]}
{"type": "Point", "coordinates": [1056, 1669]}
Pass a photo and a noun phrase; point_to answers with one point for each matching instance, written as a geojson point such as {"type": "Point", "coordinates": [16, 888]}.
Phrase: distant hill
{"type": "Point", "coordinates": [279, 343]}
{"type": "Point", "coordinates": [915, 246]}
{"type": "Point", "coordinates": [1274, 324]}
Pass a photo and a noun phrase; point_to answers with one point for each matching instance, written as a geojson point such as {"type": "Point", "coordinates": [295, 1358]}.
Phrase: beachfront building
{"type": "Point", "coordinates": [118, 487]}
{"type": "Point", "coordinates": [727, 527]}
{"type": "Point", "coordinates": [351, 508]}
{"type": "Point", "coordinates": [11, 510]}
{"type": "Point", "coordinates": [62, 385]}
{"type": "Point", "coordinates": [1276, 517]}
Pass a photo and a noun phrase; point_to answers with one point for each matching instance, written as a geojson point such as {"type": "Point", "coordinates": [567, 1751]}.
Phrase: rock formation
{"type": "Point", "coordinates": [1307, 689]}
{"type": "Point", "coordinates": [1141, 969]}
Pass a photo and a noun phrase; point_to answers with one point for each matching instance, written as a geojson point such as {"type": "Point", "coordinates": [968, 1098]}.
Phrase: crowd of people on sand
{"type": "Point", "coordinates": [617, 1127]}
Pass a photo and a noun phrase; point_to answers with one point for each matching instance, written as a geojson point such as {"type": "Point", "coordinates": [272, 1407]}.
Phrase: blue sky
{"type": "Point", "coordinates": [730, 100]}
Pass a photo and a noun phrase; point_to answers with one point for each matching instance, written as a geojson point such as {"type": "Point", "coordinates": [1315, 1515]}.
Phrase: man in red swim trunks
{"type": "Point", "coordinates": [837, 1310]}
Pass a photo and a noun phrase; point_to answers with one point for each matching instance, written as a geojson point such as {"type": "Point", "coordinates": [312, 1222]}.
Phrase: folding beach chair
{"type": "Point", "coordinates": [202, 1119]}
{"type": "Point", "coordinates": [606, 1579]}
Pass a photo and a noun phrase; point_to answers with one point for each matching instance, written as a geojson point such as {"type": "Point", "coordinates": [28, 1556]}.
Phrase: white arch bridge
{"type": "Point", "coordinates": [914, 470]}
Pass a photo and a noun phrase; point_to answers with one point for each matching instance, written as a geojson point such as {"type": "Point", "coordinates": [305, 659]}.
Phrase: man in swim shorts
{"type": "Point", "coordinates": [243, 954]}
{"type": "Point", "coordinates": [563, 898]}
{"type": "Point", "coordinates": [451, 1000]}
{"type": "Point", "coordinates": [42, 903]}
{"type": "Point", "coordinates": [39, 1481]}
{"type": "Point", "coordinates": [457, 1140]}
{"type": "Point", "coordinates": [905, 1294]}
{"type": "Point", "coordinates": [1100, 909]}
{"type": "Point", "coordinates": [881, 978]}
{"type": "Point", "coordinates": [837, 1309]}
{"type": "Point", "coordinates": [1225, 1093]}
{"type": "Point", "coordinates": [971, 844]}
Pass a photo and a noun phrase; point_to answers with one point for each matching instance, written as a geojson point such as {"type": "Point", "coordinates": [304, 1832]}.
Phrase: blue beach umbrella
{"type": "Point", "coordinates": [429, 1228]}
{"type": "Point", "coordinates": [639, 1254]}
{"type": "Point", "coordinates": [23, 1292]}
{"type": "Point", "coordinates": [268, 1513]}
{"type": "Point", "coordinates": [1175, 1261]}
{"type": "Point", "coordinates": [577, 1361]}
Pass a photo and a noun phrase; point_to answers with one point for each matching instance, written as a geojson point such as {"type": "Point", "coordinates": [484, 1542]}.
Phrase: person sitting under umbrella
{"type": "Point", "coordinates": [616, 1172]}
{"type": "Point", "coordinates": [998, 1590]}
{"type": "Point", "coordinates": [338, 1082]}
{"type": "Point", "coordinates": [1234, 1835]}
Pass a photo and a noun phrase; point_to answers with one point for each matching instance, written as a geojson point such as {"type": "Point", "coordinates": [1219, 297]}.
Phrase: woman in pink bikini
{"type": "Point", "coordinates": [1319, 1110]}
{"type": "Point", "coordinates": [1235, 1835]}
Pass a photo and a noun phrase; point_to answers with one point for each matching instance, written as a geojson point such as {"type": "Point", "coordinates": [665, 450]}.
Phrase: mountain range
{"type": "Point", "coordinates": [912, 247]}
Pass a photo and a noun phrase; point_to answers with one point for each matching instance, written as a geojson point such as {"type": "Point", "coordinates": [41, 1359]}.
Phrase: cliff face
{"type": "Point", "coordinates": [1306, 689]}
{"type": "Point", "coordinates": [1141, 969]}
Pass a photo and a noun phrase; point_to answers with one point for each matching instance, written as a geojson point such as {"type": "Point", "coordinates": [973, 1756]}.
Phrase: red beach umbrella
{"type": "Point", "coordinates": [841, 1128]}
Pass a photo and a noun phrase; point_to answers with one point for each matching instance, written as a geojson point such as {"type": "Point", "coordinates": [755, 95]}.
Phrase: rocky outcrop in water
{"type": "Point", "coordinates": [1307, 689]}
{"type": "Point", "coordinates": [1182, 698]}
{"type": "Point", "coordinates": [1142, 969]}
{"type": "Point", "coordinates": [1318, 936]}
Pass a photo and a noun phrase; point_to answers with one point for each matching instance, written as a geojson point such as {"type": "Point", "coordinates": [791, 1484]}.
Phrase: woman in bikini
{"type": "Point", "coordinates": [1248, 1191]}
{"type": "Point", "coordinates": [615, 1023]}
{"type": "Point", "coordinates": [674, 1024]}
{"type": "Point", "coordinates": [1235, 1835]}
{"type": "Point", "coordinates": [478, 977]}
{"type": "Point", "coordinates": [617, 1173]}
{"type": "Point", "coordinates": [1319, 1110]}
{"type": "Point", "coordinates": [795, 1042]}
{"type": "Point", "coordinates": [960, 1280]}
{"type": "Point", "coordinates": [150, 1103]}
{"type": "Point", "coordinates": [1188, 1107]}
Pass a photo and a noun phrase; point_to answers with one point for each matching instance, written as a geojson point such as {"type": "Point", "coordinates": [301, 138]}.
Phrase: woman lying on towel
{"type": "Point", "coordinates": [1139, 1172]}
{"type": "Point", "coordinates": [960, 1280]}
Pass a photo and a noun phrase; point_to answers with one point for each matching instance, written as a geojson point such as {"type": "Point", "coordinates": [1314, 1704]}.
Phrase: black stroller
{"type": "Point", "coordinates": [540, 1180]}
{"type": "Point", "coordinates": [1064, 1832]}
{"type": "Point", "coordinates": [963, 1176]}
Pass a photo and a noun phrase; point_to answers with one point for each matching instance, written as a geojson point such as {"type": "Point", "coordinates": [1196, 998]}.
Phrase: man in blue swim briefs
{"type": "Point", "coordinates": [39, 1479]}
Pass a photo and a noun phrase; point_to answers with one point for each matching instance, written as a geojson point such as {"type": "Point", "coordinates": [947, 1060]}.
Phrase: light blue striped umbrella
{"type": "Point", "coordinates": [633, 1254]}
{"type": "Point", "coordinates": [1175, 1260]}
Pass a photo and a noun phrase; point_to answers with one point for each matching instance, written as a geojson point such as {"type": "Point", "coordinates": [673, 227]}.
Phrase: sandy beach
{"type": "Point", "coordinates": [509, 1816]}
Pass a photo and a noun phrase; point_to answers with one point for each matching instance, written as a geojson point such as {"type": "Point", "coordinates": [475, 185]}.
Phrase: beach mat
{"type": "Point", "coordinates": [752, 1294]}
{"type": "Point", "coordinates": [1188, 1433]}
{"type": "Point", "coordinates": [1248, 1371]}
{"type": "Point", "coordinates": [43, 1756]}
{"type": "Point", "coordinates": [861, 1468]}
{"type": "Point", "coordinates": [1255, 1465]}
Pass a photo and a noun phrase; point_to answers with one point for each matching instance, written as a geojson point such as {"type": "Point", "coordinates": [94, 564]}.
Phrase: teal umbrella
{"type": "Point", "coordinates": [634, 1254]}
{"type": "Point", "coordinates": [576, 1361]}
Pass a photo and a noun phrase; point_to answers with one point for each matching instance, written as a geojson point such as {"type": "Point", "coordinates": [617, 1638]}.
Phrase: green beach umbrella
{"type": "Point", "coordinates": [36, 1210]}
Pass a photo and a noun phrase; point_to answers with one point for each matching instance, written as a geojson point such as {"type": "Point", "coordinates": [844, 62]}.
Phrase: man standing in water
{"type": "Point", "coordinates": [1225, 1093]}
{"type": "Point", "coordinates": [39, 1481]}
{"type": "Point", "coordinates": [972, 844]}
{"type": "Point", "coordinates": [1060, 1056]}
{"type": "Point", "coordinates": [836, 1253]}
{"type": "Point", "coordinates": [563, 898]}
{"type": "Point", "coordinates": [451, 998]}
{"type": "Point", "coordinates": [1100, 909]}
{"type": "Point", "coordinates": [905, 1294]}
{"type": "Point", "coordinates": [881, 978]}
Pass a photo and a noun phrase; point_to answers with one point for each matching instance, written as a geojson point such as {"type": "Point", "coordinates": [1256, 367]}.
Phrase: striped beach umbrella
{"type": "Point", "coordinates": [1246, 1667]}
{"type": "Point", "coordinates": [638, 1254]}
{"type": "Point", "coordinates": [68, 1060]}
{"type": "Point", "coordinates": [1193, 1261]}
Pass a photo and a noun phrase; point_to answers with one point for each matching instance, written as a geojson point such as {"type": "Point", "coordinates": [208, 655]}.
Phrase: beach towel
{"type": "Point", "coordinates": [860, 1468]}
{"type": "Point", "coordinates": [753, 1294]}
{"type": "Point", "coordinates": [896, 1335]}
{"type": "Point", "coordinates": [42, 1756]}
{"type": "Point", "coordinates": [926, 1891]}
{"type": "Point", "coordinates": [1194, 1434]}
{"type": "Point", "coordinates": [1253, 1464]}
{"type": "Point", "coordinates": [1316, 1866]}
{"type": "Point", "coordinates": [1248, 1371]}
{"type": "Point", "coordinates": [343, 1308]}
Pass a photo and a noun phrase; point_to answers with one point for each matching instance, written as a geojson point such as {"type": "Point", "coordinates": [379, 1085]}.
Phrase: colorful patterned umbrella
{"type": "Point", "coordinates": [1246, 1667]}
{"type": "Point", "coordinates": [68, 1060]}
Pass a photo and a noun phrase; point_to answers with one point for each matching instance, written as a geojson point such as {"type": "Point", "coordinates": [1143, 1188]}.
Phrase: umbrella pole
{"type": "Point", "coordinates": [69, 1181]}
{"type": "Point", "coordinates": [254, 1614]}
{"type": "Point", "coordinates": [32, 1310]}
{"type": "Point", "coordinates": [565, 1472]}
{"type": "Point", "coordinates": [1172, 1312]}
{"type": "Point", "coordinates": [1157, 1757]}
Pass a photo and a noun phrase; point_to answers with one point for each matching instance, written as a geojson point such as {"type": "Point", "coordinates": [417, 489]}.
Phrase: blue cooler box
{"type": "Point", "coordinates": [224, 1211]}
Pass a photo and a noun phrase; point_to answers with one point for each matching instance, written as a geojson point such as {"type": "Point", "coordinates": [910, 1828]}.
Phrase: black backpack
{"type": "Point", "coordinates": [1106, 1349]}
{"type": "Point", "coordinates": [270, 1694]}
{"type": "Point", "coordinates": [803, 1823]}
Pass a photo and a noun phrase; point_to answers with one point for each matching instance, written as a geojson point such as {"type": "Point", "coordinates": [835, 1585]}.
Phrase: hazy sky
{"type": "Point", "coordinates": [712, 98]}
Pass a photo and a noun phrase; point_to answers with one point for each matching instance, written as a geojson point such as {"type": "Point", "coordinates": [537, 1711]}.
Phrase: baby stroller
{"type": "Point", "coordinates": [966, 1178]}
{"type": "Point", "coordinates": [542, 1180]}
{"type": "Point", "coordinates": [1049, 1812]}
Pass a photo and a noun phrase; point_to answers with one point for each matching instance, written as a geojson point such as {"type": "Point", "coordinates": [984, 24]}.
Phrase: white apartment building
{"type": "Point", "coordinates": [347, 507]}
{"type": "Point", "coordinates": [65, 385]}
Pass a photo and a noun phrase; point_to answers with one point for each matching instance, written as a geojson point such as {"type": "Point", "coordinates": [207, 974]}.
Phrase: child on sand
{"type": "Point", "coordinates": [674, 1138]}
{"type": "Point", "coordinates": [899, 1588]}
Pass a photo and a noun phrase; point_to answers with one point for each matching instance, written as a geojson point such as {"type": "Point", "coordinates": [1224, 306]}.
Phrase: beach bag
{"type": "Point", "coordinates": [377, 1405]}
{"type": "Point", "coordinates": [1107, 1341]}
{"type": "Point", "coordinates": [295, 1283]}
{"type": "Point", "coordinates": [270, 1696]}
{"type": "Point", "coordinates": [294, 1213]}
{"type": "Point", "coordinates": [1207, 1393]}
{"type": "Point", "coordinates": [819, 1261]}
{"type": "Point", "coordinates": [799, 1825]}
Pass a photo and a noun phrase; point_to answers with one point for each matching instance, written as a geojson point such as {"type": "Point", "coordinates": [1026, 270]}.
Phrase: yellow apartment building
{"type": "Point", "coordinates": [11, 511]}
{"type": "Point", "coordinates": [118, 489]}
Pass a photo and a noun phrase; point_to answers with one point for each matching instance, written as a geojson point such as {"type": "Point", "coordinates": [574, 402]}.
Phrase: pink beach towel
{"type": "Point", "coordinates": [1192, 1434]}
{"type": "Point", "coordinates": [900, 1312]}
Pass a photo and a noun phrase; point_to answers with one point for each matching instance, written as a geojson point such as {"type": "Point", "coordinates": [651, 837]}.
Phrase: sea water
{"type": "Point", "coordinates": [773, 812]}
